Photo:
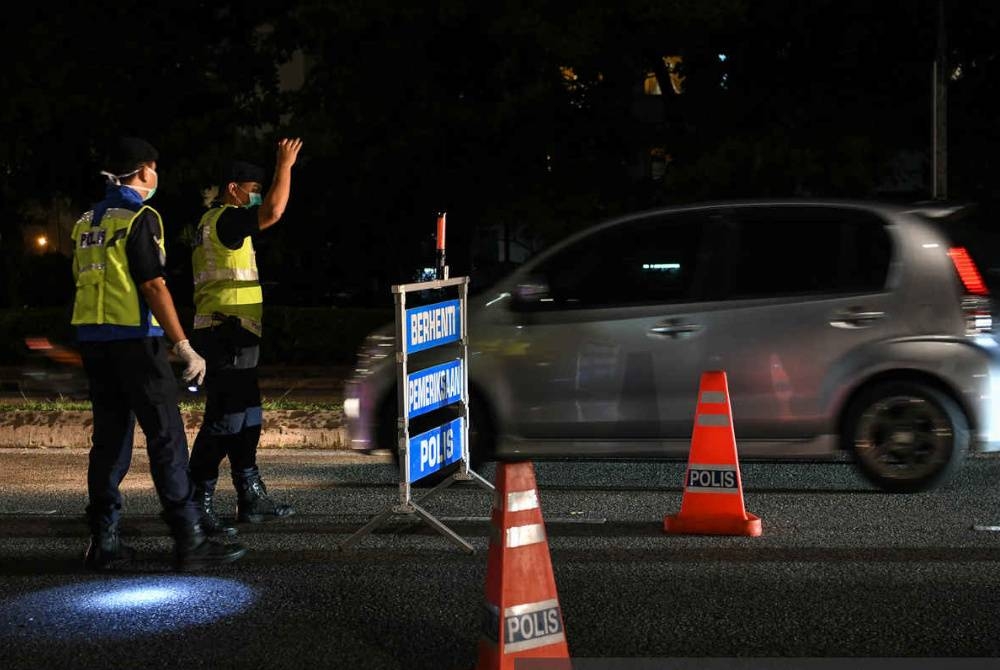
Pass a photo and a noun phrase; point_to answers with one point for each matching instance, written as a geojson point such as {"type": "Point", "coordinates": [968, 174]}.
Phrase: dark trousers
{"type": "Point", "coordinates": [130, 380]}
{"type": "Point", "coordinates": [232, 424]}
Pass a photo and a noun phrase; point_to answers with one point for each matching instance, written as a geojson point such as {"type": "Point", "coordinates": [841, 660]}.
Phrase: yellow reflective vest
{"type": "Point", "coordinates": [105, 291]}
{"type": "Point", "coordinates": [225, 280]}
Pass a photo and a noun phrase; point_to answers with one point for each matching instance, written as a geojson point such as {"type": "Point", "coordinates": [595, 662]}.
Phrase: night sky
{"type": "Point", "coordinates": [524, 121]}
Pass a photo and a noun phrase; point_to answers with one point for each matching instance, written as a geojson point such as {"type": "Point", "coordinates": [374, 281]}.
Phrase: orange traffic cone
{"type": "Point", "coordinates": [523, 618]}
{"type": "Point", "coordinates": [713, 491]}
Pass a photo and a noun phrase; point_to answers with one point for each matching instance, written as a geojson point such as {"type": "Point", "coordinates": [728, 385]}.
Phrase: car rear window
{"type": "Point", "coordinates": [791, 251]}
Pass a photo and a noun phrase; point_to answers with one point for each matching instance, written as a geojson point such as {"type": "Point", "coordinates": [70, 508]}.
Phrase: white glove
{"type": "Point", "coordinates": [195, 364]}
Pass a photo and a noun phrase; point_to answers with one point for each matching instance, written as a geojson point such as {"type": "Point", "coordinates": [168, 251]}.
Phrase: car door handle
{"type": "Point", "coordinates": [674, 329]}
{"type": "Point", "coordinates": [856, 318]}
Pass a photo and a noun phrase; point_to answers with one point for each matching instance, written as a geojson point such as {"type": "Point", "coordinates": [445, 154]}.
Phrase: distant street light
{"type": "Point", "coordinates": [42, 241]}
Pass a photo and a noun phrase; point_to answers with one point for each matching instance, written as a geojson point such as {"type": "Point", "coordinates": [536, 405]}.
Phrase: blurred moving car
{"type": "Point", "coordinates": [53, 370]}
{"type": "Point", "coordinates": [50, 370]}
{"type": "Point", "coordinates": [845, 328]}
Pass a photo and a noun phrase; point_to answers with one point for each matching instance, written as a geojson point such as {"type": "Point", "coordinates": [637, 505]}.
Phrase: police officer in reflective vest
{"type": "Point", "coordinates": [227, 331]}
{"type": "Point", "coordinates": [121, 311]}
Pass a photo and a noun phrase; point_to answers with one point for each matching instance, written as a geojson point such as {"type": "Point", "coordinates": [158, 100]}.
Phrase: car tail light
{"type": "Point", "coordinates": [976, 303]}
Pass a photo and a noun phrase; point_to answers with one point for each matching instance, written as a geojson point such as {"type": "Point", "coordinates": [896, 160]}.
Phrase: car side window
{"type": "Point", "coordinates": [649, 261]}
{"type": "Point", "coordinates": [866, 255]}
{"type": "Point", "coordinates": [792, 251]}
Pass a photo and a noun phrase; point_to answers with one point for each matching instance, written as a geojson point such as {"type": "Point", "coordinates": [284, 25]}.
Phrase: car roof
{"type": "Point", "coordinates": [926, 209]}
{"type": "Point", "coordinates": [942, 212]}
{"type": "Point", "coordinates": [886, 209]}
{"type": "Point", "coordinates": [929, 209]}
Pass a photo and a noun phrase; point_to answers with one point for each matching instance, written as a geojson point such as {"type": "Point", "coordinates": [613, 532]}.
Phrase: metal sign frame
{"type": "Point", "coordinates": [408, 505]}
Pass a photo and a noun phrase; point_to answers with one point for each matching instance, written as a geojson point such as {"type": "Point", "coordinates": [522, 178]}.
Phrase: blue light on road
{"type": "Point", "coordinates": [137, 597]}
{"type": "Point", "coordinates": [124, 608]}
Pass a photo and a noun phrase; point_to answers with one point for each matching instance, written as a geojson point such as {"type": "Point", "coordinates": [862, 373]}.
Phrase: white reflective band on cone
{"type": "Point", "coordinates": [519, 501]}
{"type": "Point", "coordinates": [520, 536]}
{"type": "Point", "coordinates": [713, 419]}
{"type": "Point", "coordinates": [713, 396]}
{"type": "Point", "coordinates": [528, 608]}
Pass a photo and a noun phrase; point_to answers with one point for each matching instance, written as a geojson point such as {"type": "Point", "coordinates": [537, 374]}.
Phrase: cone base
{"type": "Point", "coordinates": [712, 525]}
{"type": "Point", "coordinates": [492, 657]}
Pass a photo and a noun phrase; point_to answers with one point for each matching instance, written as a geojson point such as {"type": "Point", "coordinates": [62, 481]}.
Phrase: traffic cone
{"type": "Point", "coordinates": [713, 491]}
{"type": "Point", "coordinates": [522, 617]}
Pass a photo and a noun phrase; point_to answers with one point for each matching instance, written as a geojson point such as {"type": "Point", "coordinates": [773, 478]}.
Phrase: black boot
{"type": "Point", "coordinates": [194, 551]}
{"type": "Point", "coordinates": [253, 504]}
{"type": "Point", "coordinates": [210, 521]}
{"type": "Point", "coordinates": [106, 551]}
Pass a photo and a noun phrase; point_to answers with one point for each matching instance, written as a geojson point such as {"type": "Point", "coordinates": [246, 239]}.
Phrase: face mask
{"type": "Point", "coordinates": [117, 180]}
{"type": "Point", "coordinates": [255, 199]}
{"type": "Point", "coordinates": [143, 188]}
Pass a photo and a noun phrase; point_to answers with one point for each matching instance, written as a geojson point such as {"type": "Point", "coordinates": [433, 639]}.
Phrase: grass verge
{"type": "Point", "coordinates": [186, 406]}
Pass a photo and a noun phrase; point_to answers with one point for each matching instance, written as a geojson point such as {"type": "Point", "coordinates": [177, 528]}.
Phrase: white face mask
{"type": "Point", "coordinates": [117, 181]}
{"type": "Point", "coordinates": [150, 191]}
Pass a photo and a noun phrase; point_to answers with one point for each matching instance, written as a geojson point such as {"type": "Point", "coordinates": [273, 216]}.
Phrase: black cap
{"type": "Point", "coordinates": [128, 154]}
{"type": "Point", "coordinates": [241, 171]}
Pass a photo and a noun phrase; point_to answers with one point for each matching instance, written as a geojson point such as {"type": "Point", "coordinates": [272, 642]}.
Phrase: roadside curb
{"type": "Point", "coordinates": [283, 429]}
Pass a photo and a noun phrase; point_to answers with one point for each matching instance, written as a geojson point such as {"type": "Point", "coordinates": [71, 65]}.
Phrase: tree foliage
{"type": "Point", "coordinates": [522, 116]}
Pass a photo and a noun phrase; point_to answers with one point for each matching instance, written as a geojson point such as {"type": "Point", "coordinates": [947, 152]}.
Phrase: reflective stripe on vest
{"type": "Point", "coordinates": [225, 280]}
{"type": "Point", "coordinates": [215, 275]}
{"type": "Point", "coordinates": [105, 292]}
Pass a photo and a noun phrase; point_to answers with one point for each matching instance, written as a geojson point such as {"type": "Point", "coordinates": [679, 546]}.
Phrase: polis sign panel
{"type": "Point", "coordinates": [432, 325]}
{"type": "Point", "coordinates": [437, 448]}
{"type": "Point", "coordinates": [434, 388]}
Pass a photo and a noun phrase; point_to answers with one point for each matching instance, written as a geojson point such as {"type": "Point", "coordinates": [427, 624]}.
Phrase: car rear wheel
{"type": "Point", "coordinates": [906, 436]}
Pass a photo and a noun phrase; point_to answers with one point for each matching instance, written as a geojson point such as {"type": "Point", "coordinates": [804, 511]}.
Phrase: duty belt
{"type": "Point", "coordinates": [218, 318]}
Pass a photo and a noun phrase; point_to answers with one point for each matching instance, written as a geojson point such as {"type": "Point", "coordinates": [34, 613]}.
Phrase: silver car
{"type": "Point", "coordinates": [845, 329]}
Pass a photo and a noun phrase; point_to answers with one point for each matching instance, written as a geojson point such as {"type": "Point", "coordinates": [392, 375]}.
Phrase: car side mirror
{"type": "Point", "coordinates": [529, 293]}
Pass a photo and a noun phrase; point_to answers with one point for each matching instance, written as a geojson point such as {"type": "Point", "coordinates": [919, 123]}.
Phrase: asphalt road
{"type": "Point", "coordinates": [841, 570]}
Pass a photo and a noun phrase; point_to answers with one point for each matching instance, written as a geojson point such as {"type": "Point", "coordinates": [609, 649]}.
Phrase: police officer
{"type": "Point", "coordinates": [227, 331]}
{"type": "Point", "coordinates": [121, 311]}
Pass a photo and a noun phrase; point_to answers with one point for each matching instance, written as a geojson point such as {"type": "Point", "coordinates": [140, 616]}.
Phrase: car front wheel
{"type": "Point", "coordinates": [906, 436]}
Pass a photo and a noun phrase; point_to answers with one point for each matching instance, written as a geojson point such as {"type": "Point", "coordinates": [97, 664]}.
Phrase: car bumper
{"type": "Point", "coordinates": [984, 398]}
{"type": "Point", "coordinates": [358, 415]}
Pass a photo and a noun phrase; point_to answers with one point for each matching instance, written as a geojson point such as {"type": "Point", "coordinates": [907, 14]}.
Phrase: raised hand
{"type": "Point", "coordinates": [288, 151]}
